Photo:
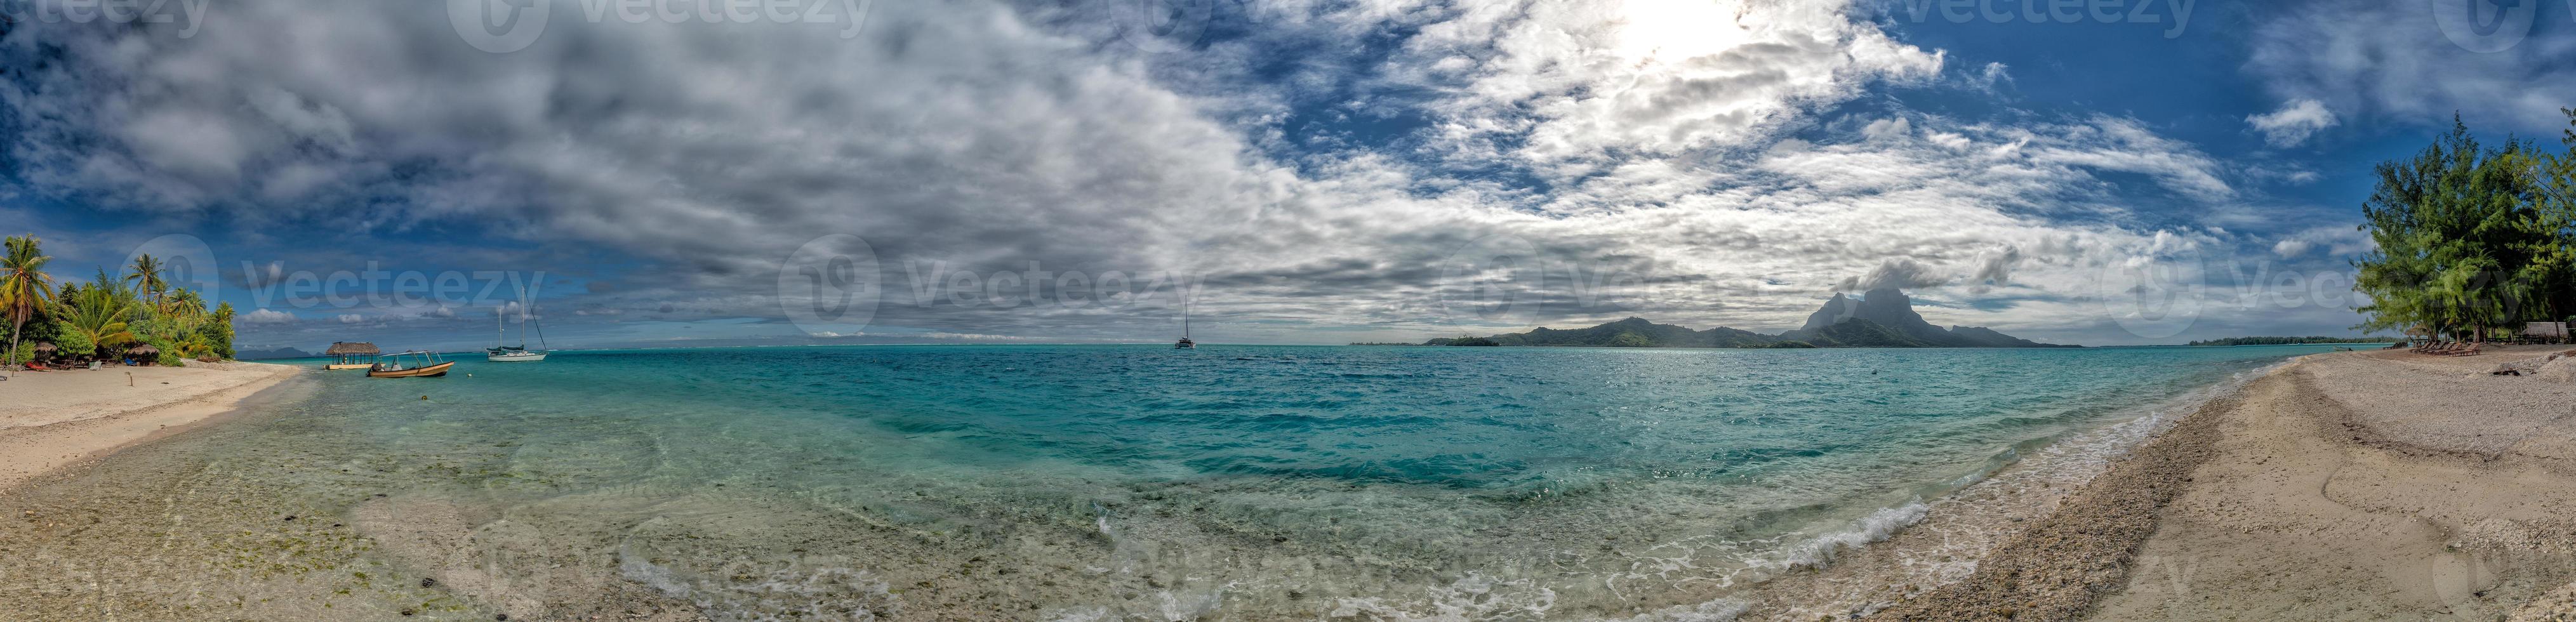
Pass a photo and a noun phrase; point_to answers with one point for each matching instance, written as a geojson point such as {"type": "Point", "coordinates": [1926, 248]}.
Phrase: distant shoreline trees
{"type": "Point", "coordinates": [2473, 238]}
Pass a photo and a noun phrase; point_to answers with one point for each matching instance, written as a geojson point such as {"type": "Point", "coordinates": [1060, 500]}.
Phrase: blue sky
{"type": "Point", "coordinates": [1296, 172]}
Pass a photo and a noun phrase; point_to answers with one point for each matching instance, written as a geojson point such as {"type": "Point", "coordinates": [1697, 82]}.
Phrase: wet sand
{"type": "Point", "coordinates": [2369, 485]}
{"type": "Point", "coordinates": [49, 419]}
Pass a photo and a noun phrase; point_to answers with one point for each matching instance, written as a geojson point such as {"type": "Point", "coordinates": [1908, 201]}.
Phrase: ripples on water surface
{"type": "Point", "coordinates": [1093, 482]}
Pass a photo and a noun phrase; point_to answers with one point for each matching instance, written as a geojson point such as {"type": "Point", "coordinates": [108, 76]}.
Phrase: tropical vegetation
{"type": "Point", "coordinates": [108, 317]}
{"type": "Point", "coordinates": [2286, 341]}
{"type": "Point", "coordinates": [2474, 239]}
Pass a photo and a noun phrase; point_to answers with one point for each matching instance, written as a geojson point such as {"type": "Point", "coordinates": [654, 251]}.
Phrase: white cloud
{"type": "Point", "coordinates": [1569, 86]}
{"type": "Point", "coordinates": [265, 316]}
{"type": "Point", "coordinates": [1896, 272]}
{"type": "Point", "coordinates": [987, 135]}
{"type": "Point", "coordinates": [971, 337]}
{"type": "Point", "coordinates": [2372, 59]}
{"type": "Point", "coordinates": [2341, 241]}
{"type": "Point", "coordinates": [2293, 123]}
{"type": "Point", "coordinates": [352, 318]}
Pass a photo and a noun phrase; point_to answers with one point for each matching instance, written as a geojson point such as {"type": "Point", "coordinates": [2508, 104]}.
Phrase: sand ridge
{"type": "Point", "coordinates": [2349, 486]}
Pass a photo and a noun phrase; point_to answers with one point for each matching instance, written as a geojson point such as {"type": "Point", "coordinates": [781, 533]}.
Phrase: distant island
{"type": "Point", "coordinates": [2288, 341]}
{"type": "Point", "coordinates": [1881, 318]}
{"type": "Point", "coordinates": [279, 353]}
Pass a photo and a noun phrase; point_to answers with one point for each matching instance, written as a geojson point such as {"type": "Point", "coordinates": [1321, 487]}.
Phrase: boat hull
{"type": "Point", "coordinates": [524, 357]}
{"type": "Point", "coordinates": [337, 366]}
{"type": "Point", "coordinates": [433, 371]}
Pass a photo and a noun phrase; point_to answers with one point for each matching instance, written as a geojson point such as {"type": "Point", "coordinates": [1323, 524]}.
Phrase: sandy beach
{"type": "Point", "coordinates": [2368, 485]}
{"type": "Point", "coordinates": [49, 419]}
{"type": "Point", "coordinates": [2371, 485]}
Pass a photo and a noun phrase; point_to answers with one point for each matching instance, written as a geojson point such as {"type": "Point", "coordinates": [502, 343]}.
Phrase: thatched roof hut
{"type": "Point", "coordinates": [351, 347]}
{"type": "Point", "coordinates": [46, 346]}
{"type": "Point", "coordinates": [143, 350]}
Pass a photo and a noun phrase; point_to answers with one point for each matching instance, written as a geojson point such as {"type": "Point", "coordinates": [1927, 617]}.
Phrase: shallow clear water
{"type": "Point", "coordinates": [1235, 481]}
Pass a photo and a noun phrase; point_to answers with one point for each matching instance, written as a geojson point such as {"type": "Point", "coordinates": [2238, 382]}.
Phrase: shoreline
{"type": "Point", "coordinates": [2348, 485]}
{"type": "Point", "coordinates": [58, 419]}
{"type": "Point", "coordinates": [1949, 535]}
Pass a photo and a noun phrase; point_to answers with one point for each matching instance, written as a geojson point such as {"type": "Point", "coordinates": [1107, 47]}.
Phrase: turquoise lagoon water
{"type": "Point", "coordinates": [1246, 482]}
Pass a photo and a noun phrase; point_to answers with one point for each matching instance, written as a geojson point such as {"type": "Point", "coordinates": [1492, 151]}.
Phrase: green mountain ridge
{"type": "Point", "coordinates": [1882, 319]}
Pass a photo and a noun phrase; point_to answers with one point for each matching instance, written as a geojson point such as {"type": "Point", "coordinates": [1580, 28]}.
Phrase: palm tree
{"type": "Point", "coordinates": [97, 315]}
{"type": "Point", "coordinates": [183, 301]}
{"type": "Point", "coordinates": [147, 278]}
{"type": "Point", "coordinates": [24, 287]}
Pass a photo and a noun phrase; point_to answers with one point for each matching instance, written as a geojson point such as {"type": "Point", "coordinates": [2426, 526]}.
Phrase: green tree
{"type": "Point", "coordinates": [25, 289]}
{"type": "Point", "coordinates": [97, 315]}
{"type": "Point", "coordinates": [146, 277]}
{"type": "Point", "coordinates": [219, 331]}
{"type": "Point", "coordinates": [2468, 239]}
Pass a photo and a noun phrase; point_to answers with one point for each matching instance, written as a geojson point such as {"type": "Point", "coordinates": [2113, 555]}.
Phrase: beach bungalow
{"type": "Point", "coordinates": [44, 352]}
{"type": "Point", "coordinates": [145, 355]}
{"type": "Point", "coordinates": [2543, 332]}
{"type": "Point", "coordinates": [351, 355]}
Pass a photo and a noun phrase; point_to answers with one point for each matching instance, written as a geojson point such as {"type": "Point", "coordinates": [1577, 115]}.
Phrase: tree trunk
{"type": "Point", "coordinates": [12, 363]}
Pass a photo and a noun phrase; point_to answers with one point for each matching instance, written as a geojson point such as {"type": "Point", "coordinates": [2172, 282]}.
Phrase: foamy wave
{"type": "Point", "coordinates": [1821, 550]}
{"type": "Point", "coordinates": [1982, 508]}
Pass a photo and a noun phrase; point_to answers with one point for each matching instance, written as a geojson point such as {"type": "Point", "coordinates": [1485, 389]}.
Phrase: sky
{"type": "Point", "coordinates": [671, 173]}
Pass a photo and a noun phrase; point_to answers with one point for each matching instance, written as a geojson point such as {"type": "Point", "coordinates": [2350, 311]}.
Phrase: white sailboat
{"type": "Point", "coordinates": [520, 353]}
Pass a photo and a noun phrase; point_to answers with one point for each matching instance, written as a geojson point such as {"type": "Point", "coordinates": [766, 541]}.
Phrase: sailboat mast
{"type": "Point", "coordinates": [526, 309]}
